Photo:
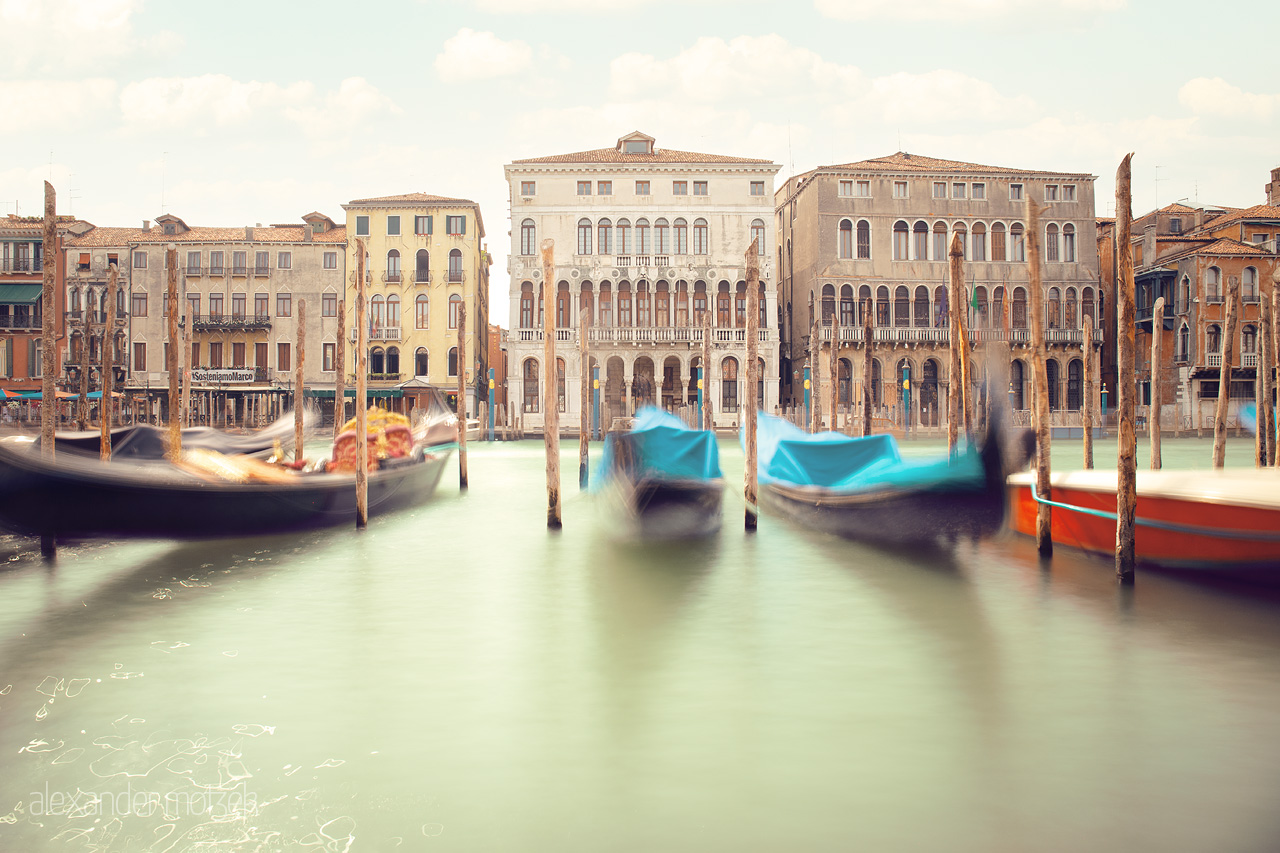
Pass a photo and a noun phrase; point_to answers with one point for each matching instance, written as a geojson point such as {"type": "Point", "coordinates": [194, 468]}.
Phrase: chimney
{"type": "Point", "coordinates": [1273, 188]}
{"type": "Point", "coordinates": [1149, 244]}
{"type": "Point", "coordinates": [248, 233]}
{"type": "Point", "coordinates": [146, 225]}
{"type": "Point", "coordinates": [1199, 216]}
{"type": "Point", "coordinates": [306, 233]}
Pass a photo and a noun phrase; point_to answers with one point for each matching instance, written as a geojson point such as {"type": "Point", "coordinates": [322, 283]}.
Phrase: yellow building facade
{"type": "Point", "coordinates": [425, 260]}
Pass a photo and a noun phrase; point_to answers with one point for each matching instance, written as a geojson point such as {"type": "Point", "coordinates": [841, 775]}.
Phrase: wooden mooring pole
{"type": "Point", "coordinates": [462, 396]}
{"type": "Point", "coordinates": [834, 373]}
{"type": "Point", "coordinates": [362, 379]}
{"type": "Point", "coordinates": [1273, 369]}
{"type": "Point", "coordinates": [185, 388]}
{"type": "Point", "coordinates": [175, 418]}
{"type": "Point", "coordinates": [1267, 427]}
{"type": "Point", "coordinates": [815, 365]}
{"type": "Point", "coordinates": [753, 370]}
{"type": "Point", "coordinates": [301, 333]}
{"type": "Point", "coordinates": [340, 371]}
{"type": "Point", "coordinates": [707, 423]}
{"type": "Point", "coordinates": [86, 345]}
{"type": "Point", "coordinates": [868, 347]}
{"type": "Point", "coordinates": [1127, 449]}
{"type": "Point", "coordinates": [550, 381]}
{"type": "Point", "coordinates": [1086, 411]}
{"type": "Point", "coordinates": [1040, 380]}
{"type": "Point", "coordinates": [584, 403]}
{"type": "Point", "coordinates": [108, 364]}
{"type": "Point", "coordinates": [1157, 352]}
{"type": "Point", "coordinates": [48, 332]}
{"type": "Point", "coordinates": [959, 347]}
{"type": "Point", "coordinates": [1224, 373]}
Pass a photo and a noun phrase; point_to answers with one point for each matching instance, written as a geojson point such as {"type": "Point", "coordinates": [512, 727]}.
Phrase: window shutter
{"type": "Point", "coordinates": [31, 357]}
{"type": "Point", "coordinates": [463, 220]}
{"type": "Point", "coordinates": [428, 225]}
{"type": "Point", "coordinates": [8, 358]}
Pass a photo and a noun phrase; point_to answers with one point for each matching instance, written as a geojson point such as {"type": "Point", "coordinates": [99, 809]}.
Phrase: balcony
{"type": "Point", "coordinates": [33, 324]}
{"type": "Point", "coordinates": [262, 272]}
{"type": "Point", "coordinates": [1249, 297]}
{"type": "Point", "coordinates": [235, 322]}
{"type": "Point", "coordinates": [1213, 359]}
{"type": "Point", "coordinates": [22, 265]}
{"type": "Point", "coordinates": [388, 334]}
{"type": "Point", "coordinates": [239, 270]}
{"type": "Point", "coordinates": [1249, 359]}
{"type": "Point", "coordinates": [455, 276]}
{"type": "Point", "coordinates": [422, 276]}
{"type": "Point", "coordinates": [218, 270]}
{"type": "Point", "coordinates": [194, 271]}
{"type": "Point", "coordinates": [391, 278]}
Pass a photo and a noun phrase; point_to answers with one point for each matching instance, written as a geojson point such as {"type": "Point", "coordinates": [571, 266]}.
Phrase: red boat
{"type": "Point", "coordinates": [1225, 520]}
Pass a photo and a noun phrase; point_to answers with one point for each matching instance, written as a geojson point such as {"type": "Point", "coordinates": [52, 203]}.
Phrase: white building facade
{"type": "Point", "coordinates": [646, 240]}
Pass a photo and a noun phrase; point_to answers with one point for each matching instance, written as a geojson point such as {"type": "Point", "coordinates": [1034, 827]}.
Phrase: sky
{"type": "Point", "coordinates": [235, 113]}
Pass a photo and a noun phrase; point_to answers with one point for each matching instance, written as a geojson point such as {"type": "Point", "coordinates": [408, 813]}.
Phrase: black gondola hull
{"type": "Point", "coordinates": [657, 508]}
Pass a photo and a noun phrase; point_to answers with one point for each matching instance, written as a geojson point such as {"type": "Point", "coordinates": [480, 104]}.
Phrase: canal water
{"type": "Point", "coordinates": [458, 678]}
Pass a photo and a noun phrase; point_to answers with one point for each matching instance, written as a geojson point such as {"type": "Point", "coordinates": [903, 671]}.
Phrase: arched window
{"type": "Point", "coordinates": [560, 384]}
{"type": "Point", "coordinates": [528, 238]}
{"type": "Point", "coordinates": [1068, 244]}
{"type": "Point", "coordinates": [1249, 285]}
{"type": "Point", "coordinates": [1051, 243]}
{"type": "Point", "coordinates": [901, 241]}
{"type": "Point", "coordinates": [940, 246]}
{"type": "Point", "coordinates": [847, 313]}
{"type": "Point", "coordinates": [1018, 314]}
{"type": "Point", "coordinates": [864, 304]}
{"type": "Point", "coordinates": [422, 311]}
{"type": "Point", "coordinates": [1213, 338]}
{"type": "Point", "coordinates": [1184, 343]}
{"type": "Point", "coordinates": [604, 230]}
{"type": "Point", "coordinates": [1017, 244]}
{"type": "Point", "coordinates": [997, 241]}
{"type": "Point", "coordinates": [1087, 306]}
{"type": "Point", "coordinates": [701, 237]}
{"type": "Point", "coordinates": [828, 303]}
{"type": "Point", "coordinates": [729, 385]}
{"type": "Point", "coordinates": [864, 240]}
{"type": "Point", "coordinates": [875, 382]}
{"type": "Point", "coordinates": [1075, 372]}
{"type": "Point", "coordinates": [882, 305]}
{"type": "Point", "coordinates": [453, 361]}
{"type": "Point", "coordinates": [722, 306]}
{"type": "Point", "coordinates": [1213, 284]}
{"type": "Point", "coordinates": [564, 302]}
{"type": "Point", "coordinates": [622, 233]}
{"type": "Point", "coordinates": [377, 315]}
{"type": "Point", "coordinates": [921, 314]}
{"type": "Point", "coordinates": [1249, 339]}
{"type": "Point", "coordinates": [662, 305]}
{"type": "Point", "coordinates": [1017, 381]}
{"type": "Point", "coordinates": [682, 304]}
{"type": "Point", "coordinates": [757, 234]}
{"type": "Point", "coordinates": [420, 362]}
{"type": "Point", "coordinates": [606, 305]}
{"type": "Point", "coordinates": [982, 316]}
{"type": "Point", "coordinates": [979, 244]}
{"type": "Point", "coordinates": [901, 306]}
{"type": "Point", "coordinates": [526, 305]}
{"type": "Point", "coordinates": [642, 237]}
{"type": "Point", "coordinates": [1055, 308]}
{"type": "Point", "coordinates": [455, 302]}
{"type": "Point", "coordinates": [377, 362]}
{"type": "Point", "coordinates": [643, 317]}
{"type": "Point", "coordinates": [393, 362]}
{"type": "Point", "coordinates": [455, 265]}
{"type": "Point", "coordinates": [624, 304]}
{"type": "Point", "coordinates": [529, 376]}
{"type": "Point", "coordinates": [961, 230]}
{"type": "Point", "coordinates": [661, 237]}
{"type": "Point", "coordinates": [393, 312]}
{"type": "Point", "coordinates": [941, 318]}
{"type": "Point", "coordinates": [920, 245]}
{"type": "Point", "coordinates": [1070, 317]}
{"type": "Point", "coordinates": [75, 303]}
{"type": "Point", "coordinates": [681, 234]}
{"type": "Point", "coordinates": [584, 236]}
{"type": "Point", "coordinates": [845, 242]}
{"type": "Point", "coordinates": [393, 265]}
{"type": "Point", "coordinates": [1051, 373]}
{"type": "Point", "coordinates": [422, 267]}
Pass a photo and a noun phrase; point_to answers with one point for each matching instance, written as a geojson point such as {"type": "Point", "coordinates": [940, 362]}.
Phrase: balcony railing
{"type": "Point", "coordinates": [422, 276]}
{"type": "Point", "coordinates": [219, 270]}
{"type": "Point", "coordinates": [670, 335]}
{"type": "Point", "coordinates": [262, 271]}
{"type": "Point", "coordinates": [388, 334]}
{"type": "Point", "coordinates": [218, 322]}
{"type": "Point", "coordinates": [193, 271]}
{"type": "Point", "coordinates": [455, 276]}
{"type": "Point", "coordinates": [10, 322]}
{"type": "Point", "coordinates": [1249, 297]}
{"type": "Point", "coordinates": [1248, 359]}
{"type": "Point", "coordinates": [237, 270]}
{"type": "Point", "coordinates": [391, 277]}
{"type": "Point", "coordinates": [22, 264]}
{"type": "Point", "coordinates": [1213, 359]}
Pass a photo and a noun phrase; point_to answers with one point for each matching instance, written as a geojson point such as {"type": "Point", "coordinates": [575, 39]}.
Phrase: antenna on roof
{"type": "Point", "coordinates": [163, 154]}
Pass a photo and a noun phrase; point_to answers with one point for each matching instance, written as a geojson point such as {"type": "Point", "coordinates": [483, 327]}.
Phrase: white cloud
{"type": "Point", "coordinates": [57, 35]}
{"type": "Point", "coordinates": [951, 10]}
{"type": "Point", "coordinates": [472, 55]}
{"type": "Point", "coordinates": [1216, 97]}
{"type": "Point", "coordinates": [355, 100]}
{"type": "Point", "coordinates": [77, 103]}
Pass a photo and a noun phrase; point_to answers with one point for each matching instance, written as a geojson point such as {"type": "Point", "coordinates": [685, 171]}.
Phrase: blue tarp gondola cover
{"type": "Point", "coordinates": [663, 447]}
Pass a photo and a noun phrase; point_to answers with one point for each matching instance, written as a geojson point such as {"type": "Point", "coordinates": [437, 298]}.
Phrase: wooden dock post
{"type": "Point", "coordinates": [49, 334]}
{"type": "Point", "coordinates": [340, 371]}
{"type": "Point", "coordinates": [1086, 410]}
{"type": "Point", "coordinates": [959, 347]}
{"type": "Point", "coordinates": [1224, 373]}
{"type": "Point", "coordinates": [86, 344]}
{"type": "Point", "coordinates": [362, 379]}
{"type": "Point", "coordinates": [1040, 379]}
{"type": "Point", "coordinates": [175, 419]}
{"type": "Point", "coordinates": [1127, 450]}
{"type": "Point", "coordinates": [108, 363]}
{"type": "Point", "coordinates": [185, 388]}
{"type": "Point", "coordinates": [584, 405]}
{"type": "Point", "coordinates": [550, 380]}
{"type": "Point", "coordinates": [1267, 428]}
{"type": "Point", "coordinates": [462, 396]}
{"type": "Point", "coordinates": [868, 346]}
{"type": "Point", "coordinates": [298, 442]}
{"type": "Point", "coordinates": [834, 374]}
{"type": "Point", "coordinates": [1157, 352]}
{"type": "Point", "coordinates": [753, 369]}
{"type": "Point", "coordinates": [815, 366]}
{"type": "Point", "coordinates": [707, 423]}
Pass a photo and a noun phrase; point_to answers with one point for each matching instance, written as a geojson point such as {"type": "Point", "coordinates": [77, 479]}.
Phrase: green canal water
{"type": "Point", "coordinates": [458, 678]}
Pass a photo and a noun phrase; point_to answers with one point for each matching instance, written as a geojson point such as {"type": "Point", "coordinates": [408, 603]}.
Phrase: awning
{"type": "Point", "coordinates": [22, 294]}
{"type": "Point", "coordinates": [351, 392]}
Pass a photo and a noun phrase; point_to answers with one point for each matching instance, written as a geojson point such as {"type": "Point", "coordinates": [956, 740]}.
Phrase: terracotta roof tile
{"type": "Point", "coordinates": [904, 162]}
{"type": "Point", "coordinates": [1234, 215]}
{"type": "Point", "coordinates": [426, 198]}
{"type": "Point", "coordinates": [110, 237]}
{"type": "Point", "coordinates": [659, 156]}
{"type": "Point", "coordinates": [1221, 246]}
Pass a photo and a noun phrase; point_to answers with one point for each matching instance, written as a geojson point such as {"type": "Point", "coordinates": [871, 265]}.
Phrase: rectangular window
{"type": "Point", "coordinates": [139, 356]}
{"type": "Point", "coordinates": [1068, 192]}
{"type": "Point", "coordinates": [284, 305]}
{"type": "Point", "coordinates": [757, 187]}
{"type": "Point", "coordinates": [282, 357]}
{"type": "Point", "coordinates": [979, 192]}
{"type": "Point", "coordinates": [215, 354]}
{"type": "Point", "coordinates": [1175, 226]}
{"type": "Point", "coordinates": [1257, 238]}
{"type": "Point", "coordinates": [528, 187]}
{"type": "Point", "coordinates": [138, 304]}
{"type": "Point", "coordinates": [238, 302]}
{"type": "Point", "coordinates": [699, 187]}
{"type": "Point", "coordinates": [393, 226]}
{"type": "Point", "coordinates": [195, 354]}
{"type": "Point", "coordinates": [215, 306]}
{"type": "Point", "coordinates": [328, 305]}
{"type": "Point", "coordinates": [139, 260]}
{"type": "Point", "coordinates": [679, 187]}
{"type": "Point", "coordinates": [239, 263]}
{"type": "Point", "coordinates": [193, 263]}
{"type": "Point", "coordinates": [863, 189]}
{"type": "Point", "coordinates": [939, 189]}
{"type": "Point", "coordinates": [331, 260]}
{"type": "Point", "coordinates": [900, 189]}
{"type": "Point", "coordinates": [260, 354]}
{"type": "Point", "coordinates": [193, 305]}
{"type": "Point", "coordinates": [604, 187]}
{"type": "Point", "coordinates": [1015, 192]}
{"type": "Point", "coordinates": [215, 263]}
{"type": "Point", "coordinates": [584, 188]}
{"type": "Point", "coordinates": [1050, 192]}
{"type": "Point", "coordinates": [237, 354]}
{"type": "Point", "coordinates": [455, 225]}
{"type": "Point", "coordinates": [958, 190]}
{"type": "Point", "coordinates": [642, 187]}
{"type": "Point", "coordinates": [846, 189]}
{"type": "Point", "coordinates": [328, 354]}
{"type": "Point", "coordinates": [421, 225]}
{"type": "Point", "coordinates": [261, 262]}
{"type": "Point", "coordinates": [284, 260]}
{"type": "Point", "coordinates": [362, 226]}
{"type": "Point", "coordinates": [261, 311]}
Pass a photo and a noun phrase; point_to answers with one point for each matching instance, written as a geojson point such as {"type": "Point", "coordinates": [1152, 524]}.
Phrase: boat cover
{"type": "Point", "coordinates": [660, 445]}
{"type": "Point", "coordinates": [788, 455]}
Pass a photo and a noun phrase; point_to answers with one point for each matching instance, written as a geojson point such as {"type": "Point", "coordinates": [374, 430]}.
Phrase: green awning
{"type": "Point", "coordinates": [351, 392]}
{"type": "Point", "coordinates": [22, 294]}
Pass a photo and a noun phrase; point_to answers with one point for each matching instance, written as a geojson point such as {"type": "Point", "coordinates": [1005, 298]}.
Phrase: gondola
{"type": "Point", "coordinates": [660, 480]}
{"type": "Point", "coordinates": [143, 441]}
{"type": "Point", "coordinates": [862, 488]}
{"type": "Point", "coordinates": [203, 495]}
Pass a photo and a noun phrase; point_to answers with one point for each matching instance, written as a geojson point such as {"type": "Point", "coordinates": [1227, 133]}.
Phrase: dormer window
{"type": "Point", "coordinates": [637, 146]}
{"type": "Point", "coordinates": [1175, 226]}
{"type": "Point", "coordinates": [171, 229]}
